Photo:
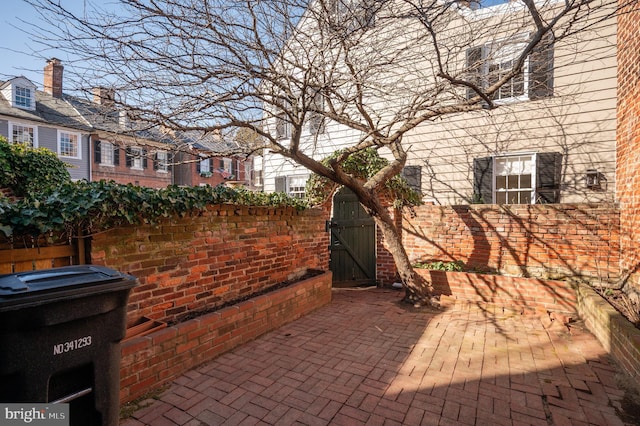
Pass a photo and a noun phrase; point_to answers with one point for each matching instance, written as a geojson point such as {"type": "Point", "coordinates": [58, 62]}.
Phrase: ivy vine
{"type": "Point", "coordinates": [362, 165]}
{"type": "Point", "coordinates": [101, 205]}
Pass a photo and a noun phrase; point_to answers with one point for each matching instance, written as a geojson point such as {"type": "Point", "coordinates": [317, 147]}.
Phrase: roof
{"type": "Point", "coordinates": [49, 109]}
{"type": "Point", "coordinates": [85, 115]}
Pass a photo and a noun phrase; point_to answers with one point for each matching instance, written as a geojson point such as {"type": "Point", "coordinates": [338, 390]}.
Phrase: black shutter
{"type": "Point", "coordinates": [200, 160]}
{"type": "Point", "coordinates": [129, 157]}
{"type": "Point", "coordinates": [541, 69]}
{"type": "Point", "coordinates": [474, 69]}
{"type": "Point", "coordinates": [97, 157]}
{"type": "Point", "coordinates": [155, 161]}
{"type": "Point", "coordinates": [549, 176]}
{"type": "Point", "coordinates": [413, 176]}
{"type": "Point", "coordinates": [116, 156]}
{"type": "Point", "coordinates": [281, 184]}
{"type": "Point", "coordinates": [144, 159]}
{"type": "Point", "coordinates": [483, 180]}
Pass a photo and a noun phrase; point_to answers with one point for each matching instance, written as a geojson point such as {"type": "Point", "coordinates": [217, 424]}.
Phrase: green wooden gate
{"type": "Point", "coordinates": [353, 242]}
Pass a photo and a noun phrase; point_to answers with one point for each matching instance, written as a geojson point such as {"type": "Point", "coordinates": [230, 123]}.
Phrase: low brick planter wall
{"type": "Point", "coordinates": [157, 358]}
{"type": "Point", "coordinates": [616, 334]}
{"type": "Point", "coordinates": [515, 292]}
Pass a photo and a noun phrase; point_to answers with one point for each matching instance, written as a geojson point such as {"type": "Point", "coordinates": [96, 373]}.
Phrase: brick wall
{"type": "Point", "coordinates": [545, 241]}
{"type": "Point", "coordinates": [513, 292]}
{"type": "Point", "coordinates": [616, 334]}
{"type": "Point", "coordinates": [227, 252]}
{"type": "Point", "coordinates": [628, 147]}
{"type": "Point", "coordinates": [123, 174]}
{"type": "Point", "coordinates": [152, 360]}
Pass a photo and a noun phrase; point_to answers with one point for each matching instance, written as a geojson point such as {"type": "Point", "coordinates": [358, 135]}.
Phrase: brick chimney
{"type": "Point", "coordinates": [103, 96]}
{"type": "Point", "coordinates": [53, 77]}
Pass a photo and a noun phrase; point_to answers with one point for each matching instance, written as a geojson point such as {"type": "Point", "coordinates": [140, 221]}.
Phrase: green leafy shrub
{"type": "Point", "coordinates": [25, 170]}
{"type": "Point", "coordinates": [364, 165]}
{"type": "Point", "coordinates": [455, 266]}
{"type": "Point", "coordinates": [97, 206]}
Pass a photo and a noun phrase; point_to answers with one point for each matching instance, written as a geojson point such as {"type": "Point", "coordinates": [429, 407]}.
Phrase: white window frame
{"type": "Point", "coordinates": [13, 125]}
{"type": "Point", "coordinates": [136, 153]}
{"type": "Point", "coordinates": [162, 164]}
{"type": "Point", "coordinates": [533, 171]}
{"type": "Point", "coordinates": [500, 52]}
{"type": "Point", "coordinates": [27, 96]}
{"type": "Point", "coordinates": [107, 159]}
{"type": "Point", "coordinates": [227, 164]}
{"type": "Point", "coordinates": [283, 127]}
{"type": "Point", "coordinates": [294, 189]}
{"type": "Point", "coordinates": [78, 141]}
{"type": "Point", "coordinates": [205, 169]}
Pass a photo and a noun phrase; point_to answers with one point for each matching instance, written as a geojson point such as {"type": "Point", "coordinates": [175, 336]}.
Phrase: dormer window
{"type": "Point", "coordinates": [23, 97]}
{"type": "Point", "coordinates": [20, 92]}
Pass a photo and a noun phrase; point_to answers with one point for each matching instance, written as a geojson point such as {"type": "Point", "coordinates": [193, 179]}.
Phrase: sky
{"type": "Point", "coordinates": [17, 55]}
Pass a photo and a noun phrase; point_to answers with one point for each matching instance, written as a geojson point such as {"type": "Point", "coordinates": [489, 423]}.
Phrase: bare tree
{"type": "Point", "coordinates": [371, 69]}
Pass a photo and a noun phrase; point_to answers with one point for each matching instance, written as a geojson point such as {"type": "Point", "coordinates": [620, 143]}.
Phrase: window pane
{"type": "Point", "coordinates": [23, 134]}
{"type": "Point", "coordinates": [513, 174]}
{"type": "Point", "coordinates": [205, 166]}
{"type": "Point", "coordinates": [501, 166]}
{"type": "Point", "coordinates": [68, 145]}
{"type": "Point", "coordinates": [106, 153]}
{"type": "Point", "coordinates": [23, 97]}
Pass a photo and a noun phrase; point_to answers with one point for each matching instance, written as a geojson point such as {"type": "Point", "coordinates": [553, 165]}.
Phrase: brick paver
{"type": "Point", "coordinates": [366, 359]}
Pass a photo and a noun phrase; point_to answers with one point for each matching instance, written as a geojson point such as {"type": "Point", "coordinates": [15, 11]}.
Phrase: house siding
{"type": "Point", "coordinates": [578, 121]}
{"type": "Point", "coordinates": [47, 137]}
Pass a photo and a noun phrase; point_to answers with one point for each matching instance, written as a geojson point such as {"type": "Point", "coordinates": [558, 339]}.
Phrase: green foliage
{"type": "Point", "coordinates": [97, 206]}
{"type": "Point", "coordinates": [456, 266]}
{"type": "Point", "coordinates": [27, 170]}
{"type": "Point", "coordinates": [363, 165]}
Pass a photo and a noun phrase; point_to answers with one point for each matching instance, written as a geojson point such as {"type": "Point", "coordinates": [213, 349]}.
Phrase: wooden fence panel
{"type": "Point", "coordinates": [31, 259]}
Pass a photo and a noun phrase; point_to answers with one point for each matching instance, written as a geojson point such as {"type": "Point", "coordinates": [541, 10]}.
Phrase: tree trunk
{"type": "Point", "coordinates": [418, 290]}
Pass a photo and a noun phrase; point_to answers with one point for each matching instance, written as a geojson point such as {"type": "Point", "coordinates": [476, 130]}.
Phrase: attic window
{"type": "Point", "coordinates": [23, 97]}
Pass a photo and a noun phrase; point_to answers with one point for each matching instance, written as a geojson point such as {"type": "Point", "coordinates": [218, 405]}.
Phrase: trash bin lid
{"type": "Point", "coordinates": [57, 279]}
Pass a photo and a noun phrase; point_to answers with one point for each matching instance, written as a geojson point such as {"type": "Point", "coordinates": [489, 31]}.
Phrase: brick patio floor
{"type": "Point", "coordinates": [366, 359]}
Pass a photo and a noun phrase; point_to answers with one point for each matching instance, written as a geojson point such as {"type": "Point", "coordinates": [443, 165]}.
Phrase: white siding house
{"type": "Point", "coordinates": [551, 138]}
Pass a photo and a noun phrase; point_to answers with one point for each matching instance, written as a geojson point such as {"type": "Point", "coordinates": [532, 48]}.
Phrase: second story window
{"type": "Point", "coordinates": [283, 127]}
{"type": "Point", "coordinates": [204, 166]}
{"type": "Point", "coordinates": [69, 144]}
{"type": "Point", "coordinates": [161, 162]}
{"type": "Point", "coordinates": [23, 97]}
{"type": "Point", "coordinates": [21, 133]}
{"type": "Point", "coordinates": [136, 158]}
{"type": "Point", "coordinates": [106, 153]}
{"type": "Point", "coordinates": [489, 63]}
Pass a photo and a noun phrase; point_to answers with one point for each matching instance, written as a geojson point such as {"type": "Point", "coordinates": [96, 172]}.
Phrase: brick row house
{"type": "Point", "coordinates": [99, 141]}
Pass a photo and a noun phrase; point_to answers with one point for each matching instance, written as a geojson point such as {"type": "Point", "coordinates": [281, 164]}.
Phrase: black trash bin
{"type": "Point", "coordinates": [59, 339]}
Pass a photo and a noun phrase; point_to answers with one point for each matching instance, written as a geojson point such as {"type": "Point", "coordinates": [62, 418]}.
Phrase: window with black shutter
{"type": "Point", "coordinates": [488, 63]}
{"type": "Point", "coordinates": [517, 179]}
